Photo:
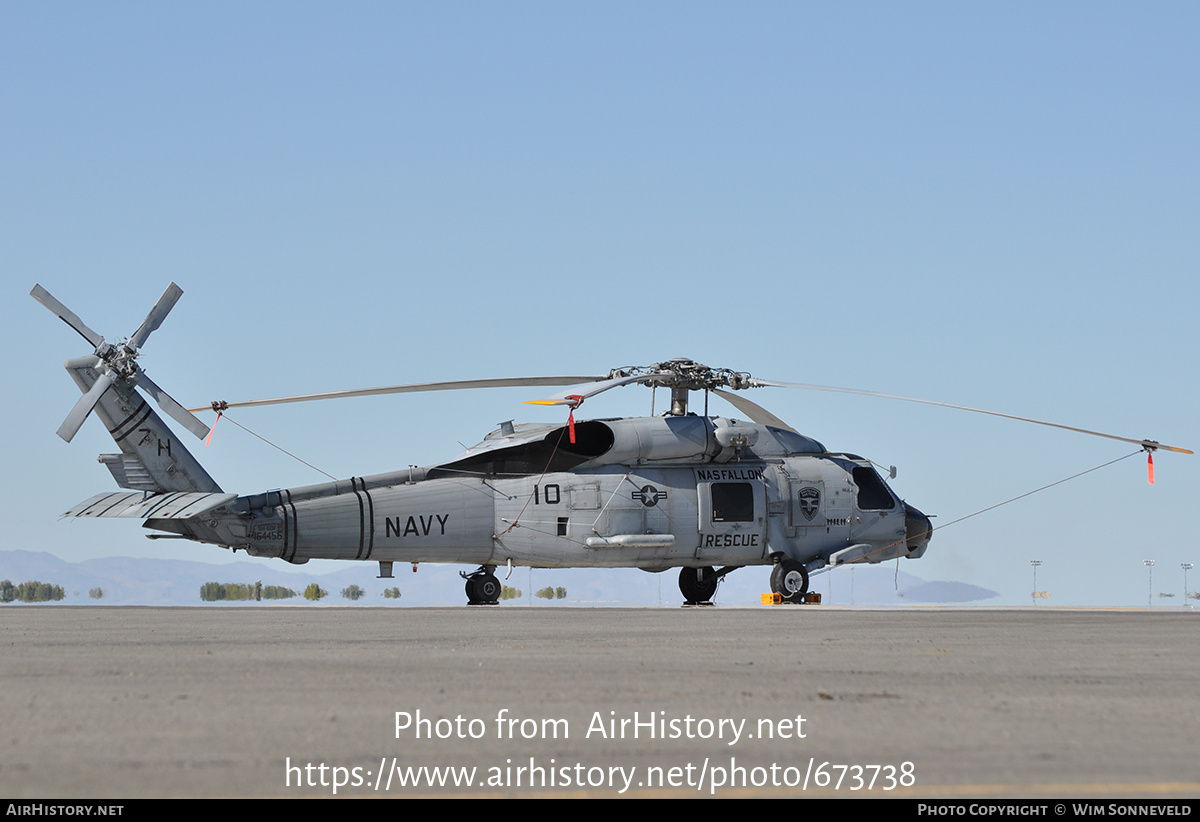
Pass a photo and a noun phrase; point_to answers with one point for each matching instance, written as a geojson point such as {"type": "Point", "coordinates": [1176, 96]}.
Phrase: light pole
{"type": "Point", "coordinates": [1035, 563]}
{"type": "Point", "coordinates": [1186, 566]}
{"type": "Point", "coordinates": [1149, 563]}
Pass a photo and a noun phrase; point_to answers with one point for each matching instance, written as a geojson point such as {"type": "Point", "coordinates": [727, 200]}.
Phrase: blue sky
{"type": "Point", "coordinates": [987, 204]}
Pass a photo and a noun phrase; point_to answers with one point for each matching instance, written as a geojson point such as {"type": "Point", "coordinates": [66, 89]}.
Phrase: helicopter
{"type": "Point", "coordinates": [705, 494]}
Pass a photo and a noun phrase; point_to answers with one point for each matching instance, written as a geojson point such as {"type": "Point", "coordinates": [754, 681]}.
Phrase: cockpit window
{"type": "Point", "coordinates": [873, 495]}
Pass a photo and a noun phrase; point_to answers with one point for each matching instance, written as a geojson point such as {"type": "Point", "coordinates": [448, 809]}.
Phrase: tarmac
{"type": "Point", "coordinates": [280, 701]}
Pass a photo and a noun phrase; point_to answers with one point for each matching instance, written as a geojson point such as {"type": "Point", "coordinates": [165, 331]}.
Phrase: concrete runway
{"type": "Point", "coordinates": [287, 701]}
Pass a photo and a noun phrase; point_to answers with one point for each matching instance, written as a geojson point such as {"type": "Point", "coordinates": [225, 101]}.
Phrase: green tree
{"type": "Point", "coordinates": [277, 592]}
{"type": "Point", "coordinates": [509, 593]}
{"type": "Point", "coordinates": [32, 591]}
{"type": "Point", "coordinates": [315, 592]}
{"type": "Point", "coordinates": [353, 593]}
{"type": "Point", "coordinates": [560, 593]}
{"type": "Point", "coordinates": [545, 593]}
{"type": "Point", "coordinates": [96, 593]}
{"type": "Point", "coordinates": [391, 593]}
{"type": "Point", "coordinates": [238, 591]}
{"type": "Point", "coordinates": [212, 592]}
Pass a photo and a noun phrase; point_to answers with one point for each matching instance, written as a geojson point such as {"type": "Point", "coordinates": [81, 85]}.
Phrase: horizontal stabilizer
{"type": "Point", "coordinates": [138, 505]}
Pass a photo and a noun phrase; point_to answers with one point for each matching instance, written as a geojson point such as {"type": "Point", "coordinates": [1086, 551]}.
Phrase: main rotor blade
{"type": "Point", "coordinates": [84, 406]}
{"type": "Point", "coordinates": [1149, 444]}
{"type": "Point", "coordinates": [156, 316]}
{"type": "Point", "coordinates": [457, 385]}
{"type": "Point", "coordinates": [754, 411]}
{"type": "Point", "coordinates": [168, 404]}
{"type": "Point", "coordinates": [599, 385]}
{"type": "Point", "coordinates": [66, 315]}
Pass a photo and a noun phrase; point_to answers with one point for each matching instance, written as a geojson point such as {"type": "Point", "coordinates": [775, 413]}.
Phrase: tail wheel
{"type": "Point", "coordinates": [789, 579]}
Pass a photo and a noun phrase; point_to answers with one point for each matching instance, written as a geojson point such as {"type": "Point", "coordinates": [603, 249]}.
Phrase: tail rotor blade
{"type": "Point", "coordinates": [66, 315]}
{"type": "Point", "coordinates": [87, 402]}
{"type": "Point", "coordinates": [156, 316]}
{"type": "Point", "coordinates": [168, 404]}
{"type": "Point", "coordinates": [118, 362]}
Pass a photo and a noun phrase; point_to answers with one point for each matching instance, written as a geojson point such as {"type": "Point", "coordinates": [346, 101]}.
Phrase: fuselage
{"type": "Point", "coordinates": [651, 493]}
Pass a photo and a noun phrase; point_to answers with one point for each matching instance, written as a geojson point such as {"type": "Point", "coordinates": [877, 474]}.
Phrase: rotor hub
{"type": "Point", "coordinates": [682, 376]}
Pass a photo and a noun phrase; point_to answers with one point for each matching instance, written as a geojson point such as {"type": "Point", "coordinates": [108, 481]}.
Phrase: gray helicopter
{"type": "Point", "coordinates": [705, 494]}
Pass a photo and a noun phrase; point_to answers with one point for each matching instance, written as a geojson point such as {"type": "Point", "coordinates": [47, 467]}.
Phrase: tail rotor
{"type": "Point", "coordinates": [119, 362]}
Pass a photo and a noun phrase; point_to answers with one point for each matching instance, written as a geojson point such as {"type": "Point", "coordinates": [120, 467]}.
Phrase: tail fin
{"type": "Point", "coordinates": [152, 458]}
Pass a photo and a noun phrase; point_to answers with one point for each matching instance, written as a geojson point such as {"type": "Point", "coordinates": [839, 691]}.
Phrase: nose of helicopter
{"type": "Point", "coordinates": [919, 529]}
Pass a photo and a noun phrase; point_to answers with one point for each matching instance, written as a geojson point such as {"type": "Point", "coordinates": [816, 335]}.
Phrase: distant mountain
{"type": "Point", "coordinates": [129, 581]}
{"type": "Point", "coordinates": [947, 592]}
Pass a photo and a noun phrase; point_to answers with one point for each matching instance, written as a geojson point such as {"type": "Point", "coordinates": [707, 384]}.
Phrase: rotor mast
{"type": "Point", "coordinates": [683, 376]}
{"type": "Point", "coordinates": [679, 401]}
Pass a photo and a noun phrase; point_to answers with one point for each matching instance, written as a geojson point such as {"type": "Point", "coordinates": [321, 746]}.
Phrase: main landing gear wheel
{"type": "Point", "coordinates": [789, 579]}
{"type": "Point", "coordinates": [483, 589]}
{"type": "Point", "coordinates": [698, 584]}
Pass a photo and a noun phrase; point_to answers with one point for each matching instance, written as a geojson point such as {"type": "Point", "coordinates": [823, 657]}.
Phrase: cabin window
{"type": "Point", "coordinates": [732, 502]}
{"type": "Point", "coordinates": [873, 495]}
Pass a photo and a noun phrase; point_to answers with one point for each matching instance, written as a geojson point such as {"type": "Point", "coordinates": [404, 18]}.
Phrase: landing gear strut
{"type": "Point", "coordinates": [789, 579]}
{"type": "Point", "coordinates": [482, 586]}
